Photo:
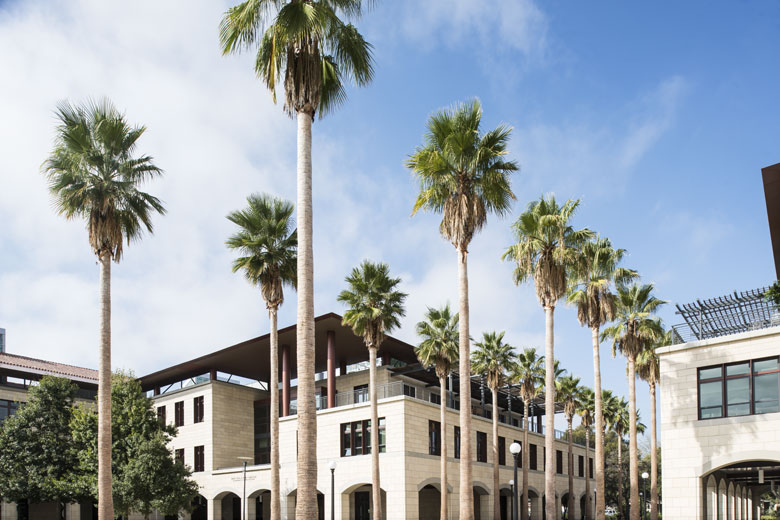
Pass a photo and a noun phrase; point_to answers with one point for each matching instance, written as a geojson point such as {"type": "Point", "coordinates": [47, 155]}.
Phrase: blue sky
{"type": "Point", "coordinates": [658, 116]}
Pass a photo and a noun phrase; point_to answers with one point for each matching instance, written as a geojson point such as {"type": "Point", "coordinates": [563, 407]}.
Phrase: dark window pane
{"type": "Point", "coordinates": [357, 432]}
{"type": "Point", "coordinates": [709, 373]}
{"type": "Point", "coordinates": [456, 443]}
{"type": "Point", "coordinates": [765, 364]}
{"type": "Point", "coordinates": [710, 394]}
{"type": "Point", "coordinates": [711, 413]}
{"type": "Point", "coordinates": [767, 393]}
{"type": "Point", "coordinates": [737, 390]}
{"type": "Point", "coordinates": [738, 370]}
{"type": "Point", "coordinates": [734, 410]}
{"type": "Point", "coordinates": [382, 435]}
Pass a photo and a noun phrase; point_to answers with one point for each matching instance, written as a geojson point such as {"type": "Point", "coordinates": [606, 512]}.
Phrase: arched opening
{"type": "Point", "coordinates": [711, 499]}
{"type": "Point", "coordinates": [565, 513]}
{"type": "Point", "coordinates": [429, 498]}
{"type": "Point", "coordinates": [258, 504]}
{"type": "Point", "coordinates": [357, 500]}
{"type": "Point", "coordinates": [583, 507]}
{"type": "Point", "coordinates": [535, 510]}
{"type": "Point", "coordinates": [505, 503]}
{"type": "Point", "coordinates": [292, 498]}
{"type": "Point", "coordinates": [482, 506]}
{"type": "Point", "coordinates": [199, 508]}
{"type": "Point", "coordinates": [729, 489]}
{"type": "Point", "coordinates": [229, 506]}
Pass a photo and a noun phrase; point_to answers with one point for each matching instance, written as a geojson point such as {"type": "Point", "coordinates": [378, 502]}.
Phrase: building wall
{"type": "Point", "coordinates": [693, 448]}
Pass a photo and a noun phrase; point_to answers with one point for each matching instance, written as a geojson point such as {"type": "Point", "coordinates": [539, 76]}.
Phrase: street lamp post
{"type": "Point", "coordinates": [644, 486]}
{"type": "Point", "coordinates": [243, 498]}
{"type": "Point", "coordinates": [332, 467]}
{"type": "Point", "coordinates": [512, 490]}
{"type": "Point", "coordinates": [515, 448]}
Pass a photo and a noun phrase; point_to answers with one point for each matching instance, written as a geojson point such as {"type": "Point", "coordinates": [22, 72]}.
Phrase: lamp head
{"type": "Point", "coordinates": [511, 482]}
{"type": "Point", "coordinates": [515, 448]}
{"type": "Point", "coordinates": [645, 475]}
{"type": "Point", "coordinates": [332, 465]}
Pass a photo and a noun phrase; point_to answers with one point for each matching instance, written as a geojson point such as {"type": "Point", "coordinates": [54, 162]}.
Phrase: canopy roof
{"type": "Point", "coordinates": [250, 359]}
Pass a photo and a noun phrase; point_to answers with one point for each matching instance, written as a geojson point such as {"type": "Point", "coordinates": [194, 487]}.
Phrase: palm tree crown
{"type": "Point", "coordinates": [267, 244]}
{"type": "Point", "coordinates": [308, 42]}
{"type": "Point", "coordinates": [567, 391]}
{"type": "Point", "coordinates": [585, 406]}
{"type": "Point", "coordinates": [528, 372]}
{"type": "Point", "coordinates": [94, 174]}
{"type": "Point", "coordinates": [492, 357]}
{"type": "Point", "coordinates": [636, 327]}
{"type": "Point", "coordinates": [463, 174]}
{"type": "Point", "coordinates": [374, 304]}
{"type": "Point", "coordinates": [439, 347]}
{"type": "Point", "coordinates": [647, 366]}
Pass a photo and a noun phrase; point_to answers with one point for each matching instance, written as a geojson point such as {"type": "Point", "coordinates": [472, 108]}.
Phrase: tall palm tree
{"type": "Point", "coordinates": [647, 367]}
{"type": "Point", "coordinates": [568, 390]}
{"type": "Point", "coordinates": [546, 250]}
{"type": "Point", "coordinates": [374, 308]}
{"type": "Point", "coordinates": [464, 175]}
{"type": "Point", "coordinates": [490, 360]}
{"type": "Point", "coordinates": [94, 174]}
{"type": "Point", "coordinates": [586, 410]}
{"type": "Point", "coordinates": [594, 276]}
{"type": "Point", "coordinates": [619, 419]}
{"type": "Point", "coordinates": [635, 330]}
{"type": "Point", "coordinates": [528, 372]}
{"type": "Point", "coordinates": [317, 53]}
{"type": "Point", "coordinates": [439, 349]}
{"type": "Point", "coordinates": [267, 243]}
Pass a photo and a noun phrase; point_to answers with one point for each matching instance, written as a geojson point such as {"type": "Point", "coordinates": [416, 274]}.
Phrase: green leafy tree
{"type": "Point", "coordinates": [490, 360]}
{"type": "Point", "coordinates": [267, 243]}
{"type": "Point", "coordinates": [635, 330]}
{"type": "Point", "coordinates": [313, 53]}
{"type": "Point", "coordinates": [586, 409]}
{"type": "Point", "coordinates": [568, 392]}
{"type": "Point", "coordinates": [528, 372]}
{"type": "Point", "coordinates": [94, 174]}
{"type": "Point", "coordinates": [546, 250]}
{"type": "Point", "coordinates": [595, 274]}
{"type": "Point", "coordinates": [146, 477]}
{"type": "Point", "coordinates": [374, 309]}
{"type": "Point", "coordinates": [773, 293]}
{"type": "Point", "coordinates": [463, 175]}
{"type": "Point", "coordinates": [439, 349]}
{"type": "Point", "coordinates": [37, 452]}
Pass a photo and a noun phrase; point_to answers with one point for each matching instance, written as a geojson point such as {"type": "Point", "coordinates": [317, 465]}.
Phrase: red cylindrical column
{"type": "Point", "coordinates": [285, 380]}
{"type": "Point", "coordinates": [331, 369]}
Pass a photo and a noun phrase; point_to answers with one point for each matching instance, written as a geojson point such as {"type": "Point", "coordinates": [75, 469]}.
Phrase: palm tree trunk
{"type": "Point", "coordinates": [549, 413]}
{"type": "Point", "coordinates": [464, 377]}
{"type": "Point", "coordinates": [633, 463]}
{"type": "Point", "coordinates": [376, 491]}
{"type": "Point", "coordinates": [653, 458]}
{"type": "Point", "coordinates": [443, 440]}
{"type": "Point", "coordinates": [524, 497]}
{"type": "Point", "coordinates": [588, 512]}
{"type": "Point", "coordinates": [620, 494]}
{"type": "Point", "coordinates": [306, 495]}
{"type": "Point", "coordinates": [599, 456]}
{"type": "Point", "coordinates": [105, 496]}
{"type": "Point", "coordinates": [496, 490]}
{"type": "Point", "coordinates": [571, 469]}
{"type": "Point", "coordinates": [273, 387]}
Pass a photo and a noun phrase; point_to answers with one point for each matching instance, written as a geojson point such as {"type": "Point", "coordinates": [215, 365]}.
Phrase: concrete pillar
{"type": "Point", "coordinates": [539, 423]}
{"type": "Point", "coordinates": [156, 390]}
{"type": "Point", "coordinates": [285, 380]}
{"type": "Point", "coordinates": [251, 508]}
{"type": "Point", "coordinates": [214, 509]}
{"type": "Point", "coordinates": [331, 369]}
{"type": "Point", "coordinates": [212, 375]}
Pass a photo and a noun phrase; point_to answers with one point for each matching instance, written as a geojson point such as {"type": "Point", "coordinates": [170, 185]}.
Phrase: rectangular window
{"type": "Point", "coordinates": [179, 456]}
{"type": "Point", "coordinates": [434, 438]}
{"type": "Point", "coordinates": [356, 437]}
{"type": "Point", "coordinates": [456, 442]}
{"type": "Point", "coordinates": [743, 388]}
{"type": "Point", "coordinates": [346, 439]}
{"type": "Point", "coordinates": [200, 459]}
{"type": "Point", "coordinates": [501, 451]}
{"type": "Point", "coordinates": [532, 463]}
{"type": "Point", "coordinates": [766, 385]}
{"type": "Point", "coordinates": [481, 447]}
{"type": "Point", "coordinates": [161, 414]}
{"type": "Point", "coordinates": [581, 466]}
{"type": "Point", "coordinates": [179, 413]}
{"type": "Point", "coordinates": [198, 409]}
{"type": "Point", "coordinates": [361, 393]}
{"type": "Point", "coordinates": [590, 467]}
{"type": "Point", "coordinates": [410, 391]}
{"type": "Point", "coordinates": [559, 462]}
{"type": "Point", "coordinates": [7, 409]}
{"type": "Point", "coordinates": [382, 435]}
{"type": "Point", "coordinates": [436, 399]}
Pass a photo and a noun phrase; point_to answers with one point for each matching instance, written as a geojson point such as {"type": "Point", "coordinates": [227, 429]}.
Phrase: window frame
{"type": "Point", "coordinates": [724, 378]}
{"type": "Point", "coordinates": [501, 451]}
{"type": "Point", "coordinates": [178, 456]}
{"type": "Point", "coordinates": [434, 438]}
{"type": "Point", "coordinates": [456, 442]}
{"type": "Point", "coordinates": [161, 414]}
{"type": "Point", "coordinates": [580, 466]}
{"type": "Point", "coordinates": [533, 462]}
{"type": "Point", "coordinates": [197, 409]}
{"type": "Point", "coordinates": [559, 462]}
{"type": "Point", "coordinates": [178, 412]}
{"type": "Point", "coordinates": [200, 459]}
{"type": "Point", "coordinates": [363, 428]}
{"type": "Point", "coordinates": [481, 446]}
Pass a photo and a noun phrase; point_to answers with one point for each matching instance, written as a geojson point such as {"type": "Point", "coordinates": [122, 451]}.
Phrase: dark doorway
{"type": "Point", "coordinates": [320, 506]}
{"type": "Point", "coordinates": [236, 508]}
{"type": "Point", "coordinates": [198, 508]}
{"type": "Point", "coordinates": [362, 504]}
{"type": "Point", "coordinates": [503, 506]}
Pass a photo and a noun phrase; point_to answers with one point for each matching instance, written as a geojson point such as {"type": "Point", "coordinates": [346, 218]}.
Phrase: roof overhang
{"type": "Point", "coordinates": [771, 177]}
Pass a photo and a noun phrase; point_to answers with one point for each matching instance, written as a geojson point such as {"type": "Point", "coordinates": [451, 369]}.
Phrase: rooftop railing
{"type": "Point", "coordinates": [708, 326]}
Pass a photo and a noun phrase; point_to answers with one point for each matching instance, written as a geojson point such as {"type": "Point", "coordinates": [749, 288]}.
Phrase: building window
{"type": "Point", "coordinates": [456, 442]}
{"type": "Point", "coordinates": [197, 409]}
{"type": "Point", "coordinates": [501, 451]}
{"type": "Point", "coordinates": [200, 459]}
{"type": "Point", "coordinates": [179, 413]}
{"type": "Point", "coordinates": [161, 414]}
{"type": "Point", "coordinates": [436, 399]}
{"type": "Point", "coordinates": [410, 391]}
{"type": "Point", "coordinates": [7, 409]}
{"type": "Point", "coordinates": [532, 464]}
{"type": "Point", "coordinates": [590, 467]}
{"type": "Point", "coordinates": [481, 447]}
{"type": "Point", "coordinates": [356, 437]}
{"type": "Point", "coordinates": [361, 393]}
{"type": "Point", "coordinates": [581, 466]}
{"type": "Point", "coordinates": [179, 456]}
{"type": "Point", "coordinates": [735, 389]}
{"type": "Point", "coordinates": [434, 438]}
{"type": "Point", "coordinates": [559, 462]}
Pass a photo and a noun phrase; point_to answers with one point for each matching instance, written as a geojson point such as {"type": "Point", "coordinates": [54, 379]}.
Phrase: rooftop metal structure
{"type": "Point", "coordinates": [730, 314]}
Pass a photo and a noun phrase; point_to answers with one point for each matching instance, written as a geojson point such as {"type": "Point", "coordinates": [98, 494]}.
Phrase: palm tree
{"type": "Point", "coordinates": [648, 368]}
{"type": "Point", "coordinates": [490, 360]}
{"type": "Point", "coordinates": [595, 273]}
{"type": "Point", "coordinates": [586, 410]}
{"type": "Point", "coordinates": [267, 244]}
{"type": "Point", "coordinates": [546, 250]}
{"type": "Point", "coordinates": [464, 175]}
{"type": "Point", "coordinates": [635, 329]}
{"type": "Point", "coordinates": [317, 52]}
{"type": "Point", "coordinates": [619, 422]}
{"type": "Point", "coordinates": [439, 349]}
{"type": "Point", "coordinates": [375, 306]}
{"type": "Point", "coordinates": [528, 373]}
{"type": "Point", "coordinates": [94, 174]}
{"type": "Point", "coordinates": [567, 390]}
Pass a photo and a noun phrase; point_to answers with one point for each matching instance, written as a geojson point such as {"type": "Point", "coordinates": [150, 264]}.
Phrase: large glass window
{"type": "Point", "coordinates": [356, 437]}
{"type": "Point", "coordinates": [200, 459]}
{"type": "Point", "coordinates": [501, 451]}
{"type": "Point", "coordinates": [532, 463]}
{"type": "Point", "coordinates": [434, 438]}
{"type": "Point", "coordinates": [361, 393]}
{"type": "Point", "coordinates": [197, 409]}
{"type": "Point", "coordinates": [735, 389]}
{"type": "Point", "coordinates": [178, 409]}
{"type": "Point", "coordinates": [7, 409]}
{"type": "Point", "coordinates": [766, 385]}
{"type": "Point", "coordinates": [456, 442]}
{"type": "Point", "coordinates": [481, 447]}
